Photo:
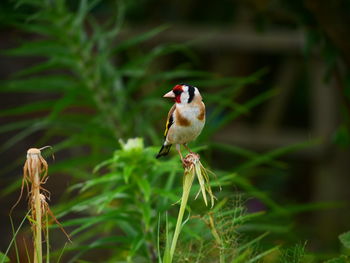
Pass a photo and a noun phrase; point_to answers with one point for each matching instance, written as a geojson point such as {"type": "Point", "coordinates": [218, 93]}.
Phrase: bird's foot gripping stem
{"type": "Point", "coordinates": [190, 160]}
{"type": "Point", "coordinates": [188, 149]}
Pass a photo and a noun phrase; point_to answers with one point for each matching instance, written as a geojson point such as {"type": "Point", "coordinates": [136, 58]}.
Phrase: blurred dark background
{"type": "Point", "coordinates": [302, 49]}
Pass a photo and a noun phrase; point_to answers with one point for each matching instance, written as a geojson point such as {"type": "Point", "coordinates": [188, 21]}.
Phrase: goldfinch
{"type": "Point", "coordinates": [185, 120]}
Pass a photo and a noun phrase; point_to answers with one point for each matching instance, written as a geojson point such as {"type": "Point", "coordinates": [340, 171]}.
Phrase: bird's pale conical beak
{"type": "Point", "coordinates": [170, 94]}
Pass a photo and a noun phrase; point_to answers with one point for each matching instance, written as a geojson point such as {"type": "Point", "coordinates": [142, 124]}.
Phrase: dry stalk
{"type": "Point", "coordinates": [35, 175]}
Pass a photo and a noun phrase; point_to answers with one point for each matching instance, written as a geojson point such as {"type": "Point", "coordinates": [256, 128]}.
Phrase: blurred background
{"type": "Point", "coordinates": [274, 76]}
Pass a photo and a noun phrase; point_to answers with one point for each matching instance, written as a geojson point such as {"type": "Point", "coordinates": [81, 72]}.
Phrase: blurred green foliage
{"type": "Point", "coordinates": [123, 205]}
{"type": "Point", "coordinates": [96, 88]}
{"type": "Point", "coordinates": [3, 258]}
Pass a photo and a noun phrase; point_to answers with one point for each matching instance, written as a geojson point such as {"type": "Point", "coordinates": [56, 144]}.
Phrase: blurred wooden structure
{"type": "Point", "coordinates": [329, 163]}
{"type": "Point", "coordinates": [267, 134]}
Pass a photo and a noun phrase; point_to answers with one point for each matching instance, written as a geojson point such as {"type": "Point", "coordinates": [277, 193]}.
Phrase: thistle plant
{"type": "Point", "coordinates": [192, 168]}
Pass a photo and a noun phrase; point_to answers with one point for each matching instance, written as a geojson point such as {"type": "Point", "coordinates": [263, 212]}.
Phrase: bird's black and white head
{"type": "Point", "coordinates": [184, 94]}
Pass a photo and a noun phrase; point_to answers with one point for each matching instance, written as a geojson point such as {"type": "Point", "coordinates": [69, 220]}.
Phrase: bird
{"type": "Point", "coordinates": [185, 120]}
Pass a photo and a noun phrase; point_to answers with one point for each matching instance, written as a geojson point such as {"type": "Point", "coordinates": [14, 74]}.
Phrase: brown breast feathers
{"type": "Point", "coordinates": [181, 120]}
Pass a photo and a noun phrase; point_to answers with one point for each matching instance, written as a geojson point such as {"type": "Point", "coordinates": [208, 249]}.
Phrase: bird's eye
{"type": "Point", "coordinates": [177, 92]}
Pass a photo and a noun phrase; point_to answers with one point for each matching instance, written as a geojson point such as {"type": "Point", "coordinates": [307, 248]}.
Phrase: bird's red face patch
{"type": "Point", "coordinates": [177, 91]}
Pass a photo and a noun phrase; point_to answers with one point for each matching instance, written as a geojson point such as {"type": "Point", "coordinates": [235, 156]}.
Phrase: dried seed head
{"type": "Point", "coordinates": [35, 162]}
{"type": "Point", "coordinates": [33, 151]}
{"type": "Point", "coordinates": [44, 204]}
{"type": "Point", "coordinates": [35, 176]}
{"type": "Point", "coordinates": [192, 164]}
{"type": "Point", "coordinates": [190, 161]}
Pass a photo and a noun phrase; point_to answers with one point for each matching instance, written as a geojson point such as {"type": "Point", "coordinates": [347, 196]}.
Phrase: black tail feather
{"type": "Point", "coordinates": [164, 150]}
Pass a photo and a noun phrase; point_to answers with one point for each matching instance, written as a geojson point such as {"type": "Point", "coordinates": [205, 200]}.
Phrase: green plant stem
{"type": "Point", "coordinates": [14, 235]}
{"type": "Point", "coordinates": [15, 242]}
{"type": "Point", "coordinates": [187, 183]}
